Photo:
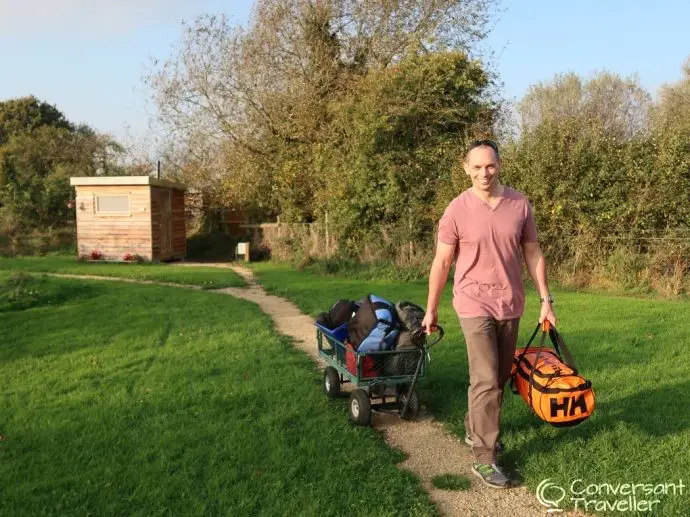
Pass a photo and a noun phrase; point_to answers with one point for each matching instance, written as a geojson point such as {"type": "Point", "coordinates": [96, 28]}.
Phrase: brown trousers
{"type": "Point", "coordinates": [490, 348]}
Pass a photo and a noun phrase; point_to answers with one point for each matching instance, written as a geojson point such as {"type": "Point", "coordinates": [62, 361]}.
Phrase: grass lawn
{"type": "Point", "coordinates": [635, 351]}
{"type": "Point", "coordinates": [206, 277]}
{"type": "Point", "coordinates": [146, 400]}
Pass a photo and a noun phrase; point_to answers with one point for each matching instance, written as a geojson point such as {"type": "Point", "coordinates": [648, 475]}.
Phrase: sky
{"type": "Point", "coordinates": [88, 57]}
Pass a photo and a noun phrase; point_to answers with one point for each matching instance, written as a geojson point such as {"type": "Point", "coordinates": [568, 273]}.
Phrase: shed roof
{"type": "Point", "coordinates": [124, 180]}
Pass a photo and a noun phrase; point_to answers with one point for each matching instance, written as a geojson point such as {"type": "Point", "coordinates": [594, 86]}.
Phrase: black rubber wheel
{"type": "Point", "coordinates": [331, 382]}
{"type": "Point", "coordinates": [412, 406]}
{"type": "Point", "coordinates": [360, 407]}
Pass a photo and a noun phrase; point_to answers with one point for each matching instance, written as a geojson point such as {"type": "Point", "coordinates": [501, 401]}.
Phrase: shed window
{"type": "Point", "coordinates": [112, 204]}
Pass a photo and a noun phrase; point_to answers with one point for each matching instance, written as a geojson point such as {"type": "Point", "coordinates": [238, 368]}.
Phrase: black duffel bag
{"type": "Point", "coordinates": [339, 313]}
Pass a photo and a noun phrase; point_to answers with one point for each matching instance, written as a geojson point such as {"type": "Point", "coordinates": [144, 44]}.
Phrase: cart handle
{"type": "Point", "coordinates": [441, 333]}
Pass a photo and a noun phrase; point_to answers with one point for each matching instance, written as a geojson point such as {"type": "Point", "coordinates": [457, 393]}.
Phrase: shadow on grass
{"type": "Point", "coordinates": [21, 291]}
{"type": "Point", "coordinates": [636, 401]}
{"type": "Point", "coordinates": [50, 316]}
{"type": "Point", "coordinates": [211, 247]}
{"type": "Point", "coordinates": [654, 414]}
{"type": "Point", "coordinates": [33, 343]}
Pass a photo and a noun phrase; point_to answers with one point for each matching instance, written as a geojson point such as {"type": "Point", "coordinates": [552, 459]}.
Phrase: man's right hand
{"type": "Point", "coordinates": [429, 321]}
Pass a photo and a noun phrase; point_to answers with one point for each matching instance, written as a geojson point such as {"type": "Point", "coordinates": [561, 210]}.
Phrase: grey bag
{"type": "Point", "coordinates": [410, 317]}
{"type": "Point", "coordinates": [411, 337]}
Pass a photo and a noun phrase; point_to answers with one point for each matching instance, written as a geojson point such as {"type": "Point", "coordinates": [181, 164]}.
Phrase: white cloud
{"type": "Point", "coordinates": [88, 17]}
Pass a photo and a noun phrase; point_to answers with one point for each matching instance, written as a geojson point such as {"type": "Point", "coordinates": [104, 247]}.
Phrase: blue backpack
{"type": "Point", "coordinates": [374, 326]}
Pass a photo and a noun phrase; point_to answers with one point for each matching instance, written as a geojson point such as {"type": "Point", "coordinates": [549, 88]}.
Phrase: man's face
{"type": "Point", "coordinates": [483, 167]}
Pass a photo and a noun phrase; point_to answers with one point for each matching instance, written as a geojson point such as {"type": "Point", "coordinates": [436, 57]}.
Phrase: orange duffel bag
{"type": "Point", "coordinates": [550, 385]}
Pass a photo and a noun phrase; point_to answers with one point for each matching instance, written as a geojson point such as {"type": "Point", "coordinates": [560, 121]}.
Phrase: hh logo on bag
{"type": "Point", "coordinates": [568, 405]}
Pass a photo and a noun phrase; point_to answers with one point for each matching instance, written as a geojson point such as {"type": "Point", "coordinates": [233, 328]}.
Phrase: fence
{"type": "Point", "coordinates": [646, 260]}
{"type": "Point", "coordinates": [286, 241]}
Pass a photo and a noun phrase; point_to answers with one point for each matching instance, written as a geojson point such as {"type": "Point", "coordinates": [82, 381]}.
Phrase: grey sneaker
{"type": "Point", "coordinates": [499, 448]}
{"type": "Point", "coordinates": [491, 475]}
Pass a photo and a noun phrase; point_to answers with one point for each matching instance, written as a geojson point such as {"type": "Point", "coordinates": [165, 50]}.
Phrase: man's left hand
{"type": "Point", "coordinates": [547, 313]}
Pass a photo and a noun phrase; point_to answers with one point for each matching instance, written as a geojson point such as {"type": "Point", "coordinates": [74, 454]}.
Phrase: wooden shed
{"type": "Point", "coordinates": [135, 215]}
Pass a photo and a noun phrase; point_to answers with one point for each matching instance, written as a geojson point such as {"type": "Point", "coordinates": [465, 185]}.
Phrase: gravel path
{"type": "Point", "coordinates": [431, 450]}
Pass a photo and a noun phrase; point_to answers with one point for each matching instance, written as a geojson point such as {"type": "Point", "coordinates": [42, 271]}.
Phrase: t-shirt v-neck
{"type": "Point", "coordinates": [499, 199]}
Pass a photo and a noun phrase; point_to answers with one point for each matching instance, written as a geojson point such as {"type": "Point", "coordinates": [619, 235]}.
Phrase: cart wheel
{"type": "Point", "coordinates": [412, 405]}
{"type": "Point", "coordinates": [331, 382]}
{"type": "Point", "coordinates": [360, 407]}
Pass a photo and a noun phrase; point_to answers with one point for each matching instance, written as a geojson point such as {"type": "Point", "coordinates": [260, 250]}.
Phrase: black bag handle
{"type": "Point", "coordinates": [534, 367]}
{"type": "Point", "coordinates": [557, 342]}
{"type": "Point", "coordinates": [441, 333]}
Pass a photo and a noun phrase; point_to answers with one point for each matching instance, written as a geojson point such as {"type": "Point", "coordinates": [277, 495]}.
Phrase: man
{"type": "Point", "coordinates": [484, 230]}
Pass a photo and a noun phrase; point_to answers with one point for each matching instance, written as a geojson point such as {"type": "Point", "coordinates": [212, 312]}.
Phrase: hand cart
{"type": "Point", "coordinates": [385, 380]}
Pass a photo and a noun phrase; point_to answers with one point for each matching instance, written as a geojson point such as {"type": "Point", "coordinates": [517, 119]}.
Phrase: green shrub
{"type": "Point", "coordinates": [19, 291]}
{"type": "Point", "coordinates": [628, 268]}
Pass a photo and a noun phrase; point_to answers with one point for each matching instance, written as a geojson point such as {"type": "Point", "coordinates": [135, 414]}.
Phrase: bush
{"type": "Point", "coordinates": [628, 269]}
{"type": "Point", "coordinates": [352, 268]}
{"type": "Point", "coordinates": [19, 291]}
{"type": "Point", "coordinates": [22, 241]}
{"type": "Point", "coordinates": [304, 262]}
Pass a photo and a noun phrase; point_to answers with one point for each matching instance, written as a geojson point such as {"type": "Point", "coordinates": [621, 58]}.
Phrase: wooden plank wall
{"type": "Point", "coordinates": [179, 233]}
{"type": "Point", "coordinates": [179, 228]}
{"type": "Point", "coordinates": [155, 224]}
{"type": "Point", "coordinates": [114, 235]}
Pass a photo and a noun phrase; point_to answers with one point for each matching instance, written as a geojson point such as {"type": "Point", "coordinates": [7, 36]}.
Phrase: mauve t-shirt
{"type": "Point", "coordinates": [488, 279]}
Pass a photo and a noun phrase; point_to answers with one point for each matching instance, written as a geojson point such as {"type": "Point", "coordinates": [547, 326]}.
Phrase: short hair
{"type": "Point", "coordinates": [481, 143]}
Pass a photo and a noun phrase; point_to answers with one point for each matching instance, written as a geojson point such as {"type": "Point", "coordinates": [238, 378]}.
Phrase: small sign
{"type": "Point", "coordinates": [242, 249]}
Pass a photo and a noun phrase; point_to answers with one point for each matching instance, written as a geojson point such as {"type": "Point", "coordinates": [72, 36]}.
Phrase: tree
{"type": "Point", "coordinates": [666, 190]}
{"type": "Point", "coordinates": [570, 155]}
{"type": "Point", "coordinates": [40, 152]}
{"type": "Point", "coordinates": [398, 137]}
{"type": "Point", "coordinates": [25, 114]}
{"type": "Point", "coordinates": [605, 167]}
{"type": "Point", "coordinates": [262, 96]}
{"type": "Point", "coordinates": [619, 106]}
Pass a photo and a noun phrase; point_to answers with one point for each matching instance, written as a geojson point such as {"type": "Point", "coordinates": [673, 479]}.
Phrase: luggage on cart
{"type": "Point", "coordinates": [374, 326]}
{"type": "Point", "coordinates": [339, 313]}
{"type": "Point", "coordinates": [377, 388]}
{"type": "Point", "coordinates": [369, 367]}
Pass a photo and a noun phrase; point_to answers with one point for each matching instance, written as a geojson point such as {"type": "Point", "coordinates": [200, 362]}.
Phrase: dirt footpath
{"type": "Point", "coordinates": [431, 450]}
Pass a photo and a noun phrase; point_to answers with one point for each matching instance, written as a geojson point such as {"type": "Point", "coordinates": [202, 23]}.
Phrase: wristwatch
{"type": "Point", "coordinates": [548, 298]}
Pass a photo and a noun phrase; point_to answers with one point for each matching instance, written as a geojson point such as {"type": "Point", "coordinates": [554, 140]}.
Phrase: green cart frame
{"type": "Point", "coordinates": [385, 380]}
